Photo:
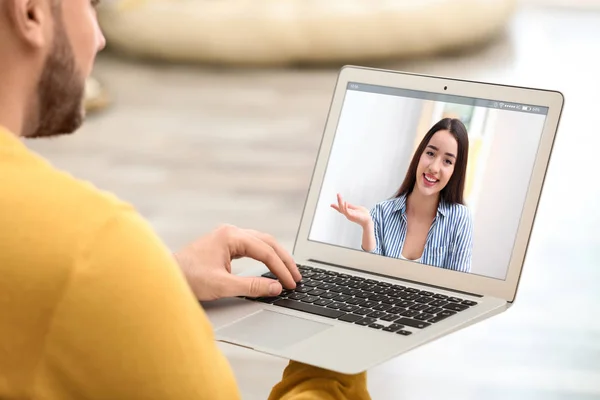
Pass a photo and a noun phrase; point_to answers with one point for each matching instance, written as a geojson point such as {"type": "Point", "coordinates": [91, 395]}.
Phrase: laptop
{"type": "Point", "coordinates": [410, 230]}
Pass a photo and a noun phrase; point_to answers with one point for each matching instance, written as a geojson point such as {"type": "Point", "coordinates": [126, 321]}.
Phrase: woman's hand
{"type": "Point", "coordinates": [357, 214]}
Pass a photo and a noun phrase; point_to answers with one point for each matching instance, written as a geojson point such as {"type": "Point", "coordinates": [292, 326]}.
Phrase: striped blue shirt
{"type": "Point", "coordinates": [449, 242]}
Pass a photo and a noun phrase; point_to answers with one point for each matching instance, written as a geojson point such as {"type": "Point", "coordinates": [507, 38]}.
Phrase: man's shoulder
{"type": "Point", "coordinates": [44, 202]}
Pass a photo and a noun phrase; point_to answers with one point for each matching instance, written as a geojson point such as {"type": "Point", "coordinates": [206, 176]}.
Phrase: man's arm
{"type": "Point", "coordinates": [129, 327]}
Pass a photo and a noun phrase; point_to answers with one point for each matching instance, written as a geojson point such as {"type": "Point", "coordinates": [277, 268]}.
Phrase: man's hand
{"type": "Point", "coordinates": [206, 264]}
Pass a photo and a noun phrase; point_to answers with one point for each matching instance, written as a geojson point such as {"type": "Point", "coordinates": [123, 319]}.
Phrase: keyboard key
{"type": "Point", "coordinates": [399, 287]}
{"type": "Point", "coordinates": [405, 303]}
{"type": "Point", "coordinates": [384, 284]}
{"type": "Point", "coordinates": [329, 295]}
{"type": "Point", "coordinates": [371, 281]}
{"type": "Point", "coordinates": [424, 300]}
{"type": "Point", "coordinates": [358, 278]}
{"type": "Point", "coordinates": [303, 289]}
{"type": "Point", "coordinates": [410, 313]}
{"type": "Point", "coordinates": [350, 291]}
{"type": "Point", "coordinates": [411, 290]}
{"type": "Point", "coordinates": [421, 317]}
{"type": "Point", "coordinates": [424, 293]}
{"type": "Point", "coordinates": [309, 308]}
{"type": "Point", "coordinates": [366, 286]}
{"type": "Point", "coordinates": [370, 303]}
{"type": "Point", "coordinates": [376, 326]}
{"type": "Point", "coordinates": [382, 289]}
{"type": "Point", "coordinates": [432, 310]}
{"type": "Point", "coordinates": [389, 300]}
{"type": "Point", "coordinates": [363, 311]}
{"type": "Point", "coordinates": [393, 293]}
{"type": "Point", "coordinates": [437, 318]}
{"type": "Point", "coordinates": [455, 307]}
{"type": "Point", "coordinates": [455, 300]}
{"type": "Point", "coordinates": [438, 303]}
{"type": "Point", "coordinates": [376, 314]}
{"type": "Point", "coordinates": [268, 299]}
{"type": "Point", "coordinates": [323, 302]}
{"type": "Point", "coordinates": [411, 297]}
{"type": "Point", "coordinates": [440, 296]}
{"type": "Point", "coordinates": [310, 299]}
{"type": "Point", "coordinates": [311, 283]}
{"type": "Point", "coordinates": [396, 310]}
{"type": "Point", "coordinates": [355, 301]}
{"type": "Point", "coordinates": [353, 284]}
{"type": "Point", "coordinates": [342, 298]}
{"type": "Point", "coordinates": [297, 296]}
{"type": "Point", "coordinates": [270, 275]}
{"type": "Point", "coordinates": [336, 304]}
{"type": "Point", "coordinates": [413, 323]}
{"type": "Point", "coordinates": [349, 308]}
{"type": "Point", "coordinates": [469, 303]}
{"type": "Point", "coordinates": [393, 328]}
{"type": "Point", "coordinates": [326, 286]}
{"type": "Point", "coordinates": [418, 307]}
{"type": "Point", "coordinates": [382, 307]}
{"type": "Point", "coordinates": [363, 295]}
{"type": "Point", "coordinates": [316, 292]}
{"type": "Point", "coordinates": [404, 333]}
{"type": "Point", "coordinates": [447, 313]}
{"type": "Point", "coordinates": [377, 297]}
{"type": "Point", "coordinates": [351, 318]}
{"type": "Point", "coordinates": [389, 317]}
{"type": "Point", "coordinates": [366, 321]}
{"type": "Point", "coordinates": [336, 288]}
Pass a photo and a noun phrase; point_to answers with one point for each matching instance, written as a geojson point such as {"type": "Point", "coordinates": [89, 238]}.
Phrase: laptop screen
{"type": "Point", "coordinates": [430, 178]}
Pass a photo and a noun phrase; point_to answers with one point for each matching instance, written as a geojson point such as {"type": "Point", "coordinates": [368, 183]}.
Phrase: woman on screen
{"type": "Point", "coordinates": [426, 221]}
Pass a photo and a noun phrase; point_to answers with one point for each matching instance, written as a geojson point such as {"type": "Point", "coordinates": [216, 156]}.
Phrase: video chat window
{"type": "Point", "coordinates": [433, 179]}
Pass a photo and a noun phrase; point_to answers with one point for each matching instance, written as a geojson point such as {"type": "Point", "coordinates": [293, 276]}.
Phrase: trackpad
{"type": "Point", "coordinates": [269, 329]}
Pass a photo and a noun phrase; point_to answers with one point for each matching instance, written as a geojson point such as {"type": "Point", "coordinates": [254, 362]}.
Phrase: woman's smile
{"type": "Point", "coordinates": [429, 180]}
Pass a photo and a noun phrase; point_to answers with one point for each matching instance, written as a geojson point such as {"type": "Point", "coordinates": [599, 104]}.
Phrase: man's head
{"type": "Point", "coordinates": [52, 44]}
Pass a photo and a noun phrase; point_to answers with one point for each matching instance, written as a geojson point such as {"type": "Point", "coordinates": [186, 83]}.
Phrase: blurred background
{"type": "Point", "coordinates": [203, 112]}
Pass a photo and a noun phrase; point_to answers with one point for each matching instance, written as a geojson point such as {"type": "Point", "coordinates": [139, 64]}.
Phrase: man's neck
{"type": "Point", "coordinates": [422, 206]}
{"type": "Point", "coordinates": [12, 106]}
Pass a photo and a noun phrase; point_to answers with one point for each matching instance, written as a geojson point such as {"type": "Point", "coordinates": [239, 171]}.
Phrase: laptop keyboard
{"type": "Point", "coordinates": [366, 302]}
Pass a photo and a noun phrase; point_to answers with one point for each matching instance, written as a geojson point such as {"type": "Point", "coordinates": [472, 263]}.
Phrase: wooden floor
{"type": "Point", "coordinates": [194, 147]}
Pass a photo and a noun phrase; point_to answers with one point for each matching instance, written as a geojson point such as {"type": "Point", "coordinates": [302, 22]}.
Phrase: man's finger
{"type": "Point", "coordinates": [247, 245]}
{"type": "Point", "coordinates": [281, 252]}
{"type": "Point", "coordinates": [250, 286]}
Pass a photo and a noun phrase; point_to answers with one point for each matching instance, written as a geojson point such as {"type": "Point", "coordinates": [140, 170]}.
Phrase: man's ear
{"type": "Point", "coordinates": [30, 20]}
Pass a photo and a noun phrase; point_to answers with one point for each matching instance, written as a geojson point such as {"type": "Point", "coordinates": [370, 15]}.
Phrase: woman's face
{"type": "Point", "coordinates": [436, 164]}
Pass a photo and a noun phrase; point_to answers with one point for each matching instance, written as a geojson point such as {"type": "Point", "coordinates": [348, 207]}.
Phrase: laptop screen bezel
{"type": "Point", "coordinates": [305, 249]}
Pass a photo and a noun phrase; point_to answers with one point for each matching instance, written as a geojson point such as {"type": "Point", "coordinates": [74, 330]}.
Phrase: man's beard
{"type": "Point", "coordinates": [61, 89]}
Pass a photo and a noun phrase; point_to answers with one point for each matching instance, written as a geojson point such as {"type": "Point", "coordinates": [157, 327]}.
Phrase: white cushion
{"type": "Point", "coordinates": [305, 31]}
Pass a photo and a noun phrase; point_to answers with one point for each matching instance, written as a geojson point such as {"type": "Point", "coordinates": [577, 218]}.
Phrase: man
{"type": "Point", "coordinates": [92, 304]}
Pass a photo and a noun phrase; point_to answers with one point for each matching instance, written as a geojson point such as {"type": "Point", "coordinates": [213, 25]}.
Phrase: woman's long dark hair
{"type": "Point", "coordinates": [453, 192]}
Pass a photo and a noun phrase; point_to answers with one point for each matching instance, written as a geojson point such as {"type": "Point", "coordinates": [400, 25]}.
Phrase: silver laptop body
{"type": "Point", "coordinates": [356, 309]}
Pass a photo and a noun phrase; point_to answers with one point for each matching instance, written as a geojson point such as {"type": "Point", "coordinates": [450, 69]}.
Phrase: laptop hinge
{"type": "Point", "coordinates": [394, 278]}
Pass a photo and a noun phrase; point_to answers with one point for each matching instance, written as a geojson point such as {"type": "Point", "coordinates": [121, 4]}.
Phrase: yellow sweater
{"type": "Point", "coordinates": [93, 305]}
